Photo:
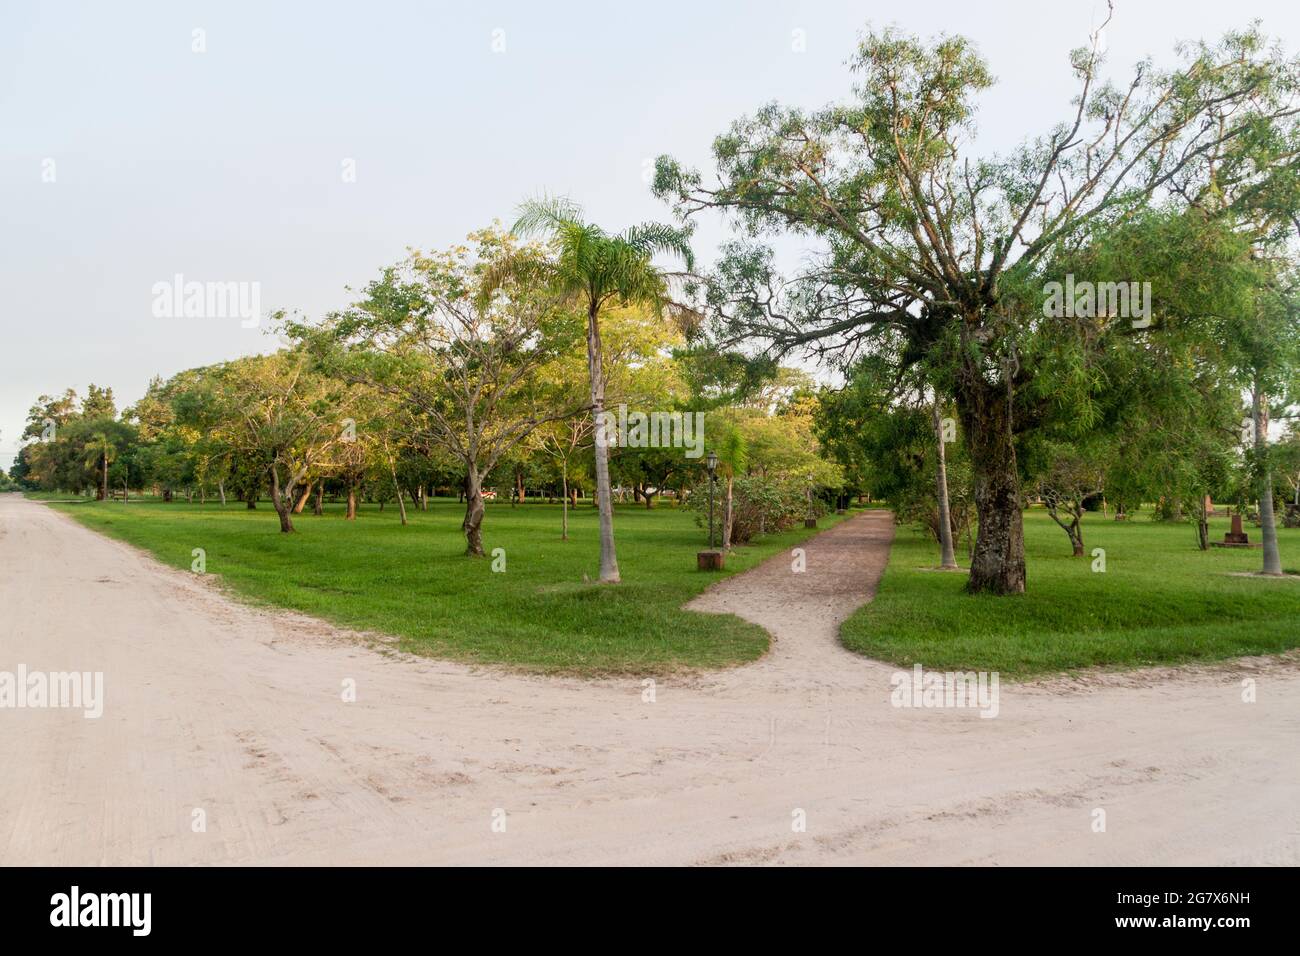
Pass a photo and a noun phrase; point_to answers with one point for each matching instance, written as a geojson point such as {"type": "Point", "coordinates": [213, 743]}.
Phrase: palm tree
{"type": "Point", "coordinates": [733, 459]}
{"type": "Point", "coordinates": [594, 269]}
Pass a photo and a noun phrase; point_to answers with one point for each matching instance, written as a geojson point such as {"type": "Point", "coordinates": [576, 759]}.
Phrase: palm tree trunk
{"type": "Point", "coordinates": [1267, 521]}
{"type": "Point", "coordinates": [608, 557]}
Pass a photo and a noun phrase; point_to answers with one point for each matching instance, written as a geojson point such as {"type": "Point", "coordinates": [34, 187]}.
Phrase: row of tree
{"type": "Point", "coordinates": [926, 289]}
{"type": "Point", "coordinates": [454, 371]}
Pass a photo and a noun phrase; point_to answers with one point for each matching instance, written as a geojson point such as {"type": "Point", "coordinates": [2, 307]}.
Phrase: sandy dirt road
{"type": "Point", "coordinates": [213, 706]}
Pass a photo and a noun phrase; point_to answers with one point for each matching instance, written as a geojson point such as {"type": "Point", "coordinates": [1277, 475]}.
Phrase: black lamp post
{"type": "Point", "coordinates": [712, 559]}
{"type": "Point", "coordinates": [711, 462]}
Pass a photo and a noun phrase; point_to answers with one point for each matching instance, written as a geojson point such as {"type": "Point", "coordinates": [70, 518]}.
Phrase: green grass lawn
{"type": "Point", "coordinates": [415, 583]}
{"type": "Point", "coordinates": [1160, 600]}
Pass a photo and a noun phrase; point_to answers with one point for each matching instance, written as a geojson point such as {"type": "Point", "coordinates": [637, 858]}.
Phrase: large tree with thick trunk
{"type": "Point", "coordinates": [936, 257]}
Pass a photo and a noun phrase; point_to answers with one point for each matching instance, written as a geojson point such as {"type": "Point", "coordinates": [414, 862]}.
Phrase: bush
{"type": "Point", "coordinates": [760, 506]}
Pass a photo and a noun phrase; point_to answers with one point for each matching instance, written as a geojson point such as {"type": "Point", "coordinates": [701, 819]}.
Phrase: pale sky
{"type": "Point", "coordinates": [227, 165]}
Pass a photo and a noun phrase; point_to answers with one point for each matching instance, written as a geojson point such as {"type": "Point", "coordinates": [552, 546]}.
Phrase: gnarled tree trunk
{"type": "Point", "coordinates": [473, 523]}
{"type": "Point", "coordinates": [1074, 528]}
{"type": "Point", "coordinates": [281, 499]}
{"type": "Point", "coordinates": [998, 561]}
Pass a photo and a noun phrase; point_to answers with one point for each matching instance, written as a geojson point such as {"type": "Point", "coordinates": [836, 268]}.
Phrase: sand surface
{"type": "Point", "coordinates": [238, 713]}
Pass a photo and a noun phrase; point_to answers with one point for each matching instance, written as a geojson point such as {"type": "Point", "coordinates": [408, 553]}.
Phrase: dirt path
{"type": "Point", "coordinates": [213, 706]}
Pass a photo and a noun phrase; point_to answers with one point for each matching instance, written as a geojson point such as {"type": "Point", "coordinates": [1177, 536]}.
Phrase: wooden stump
{"type": "Point", "coordinates": [710, 560]}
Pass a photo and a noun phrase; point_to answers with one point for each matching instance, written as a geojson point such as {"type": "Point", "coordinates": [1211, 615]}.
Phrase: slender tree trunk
{"type": "Point", "coordinates": [1203, 525]}
{"type": "Point", "coordinates": [727, 514]}
{"type": "Point", "coordinates": [221, 490]}
{"type": "Point", "coordinates": [401, 505]}
{"type": "Point", "coordinates": [947, 560]}
{"type": "Point", "coordinates": [318, 507]}
{"type": "Point", "coordinates": [103, 487]}
{"type": "Point", "coordinates": [608, 557]}
{"type": "Point", "coordinates": [564, 512]}
{"type": "Point", "coordinates": [352, 503]}
{"type": "Point", "coordinates": [302, 502]}
{"type": "Point", "coordinates": [473, 523]}
{"type": "Point", "coordinates": [424, 499]}
{"type": "Point", "coordinates": [998, 561]}
{"type": "Point", "coordinates": [1267, 521]}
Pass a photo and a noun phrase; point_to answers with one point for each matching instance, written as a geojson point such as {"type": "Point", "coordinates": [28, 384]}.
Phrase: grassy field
{"type": "Point", "coordinates": [1160, 600]}
{"type": "Point", "coordinates": [415, 583]}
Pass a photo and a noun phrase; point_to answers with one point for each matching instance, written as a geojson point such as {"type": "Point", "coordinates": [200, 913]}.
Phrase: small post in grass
{"type": "Point", "coordinates": [712, 559]}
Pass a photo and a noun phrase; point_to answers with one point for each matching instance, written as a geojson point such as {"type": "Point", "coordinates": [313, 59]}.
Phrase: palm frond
{"type": "Point", "coordinates": [656, 238]}
{"type": "Point", "coordinates": [546, 214]}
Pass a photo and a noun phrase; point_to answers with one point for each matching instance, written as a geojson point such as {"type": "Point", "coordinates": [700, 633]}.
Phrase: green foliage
{"type": "Point", "coordinates": [1160, 601]}
{"type": "Point", "coordinates": [887, 444]}
{"type": "Point", "coordinates": [541, 614]}
{"type": "Point", "coordinates": [761, 506]}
